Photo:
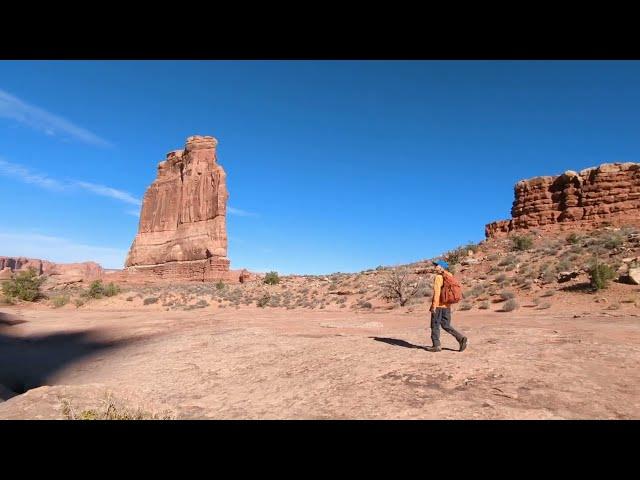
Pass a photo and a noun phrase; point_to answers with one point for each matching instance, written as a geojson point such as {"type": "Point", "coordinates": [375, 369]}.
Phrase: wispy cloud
{"type": "Point", "coordinates": [109, 192]}
{"type": "Point", "coordinates": [48, 123]}
{"type": "Point", "coordinates": [58, 249]}
{"type": "Point", "coordinates": [240, 213]}
{"type": "Point", "coordinates": [19, 172]}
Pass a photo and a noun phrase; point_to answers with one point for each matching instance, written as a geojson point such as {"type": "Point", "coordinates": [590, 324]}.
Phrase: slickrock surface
{"type": "Point", "coordinates": [609, 193]}
{"type": "Point", "coordinates": [182, 233]}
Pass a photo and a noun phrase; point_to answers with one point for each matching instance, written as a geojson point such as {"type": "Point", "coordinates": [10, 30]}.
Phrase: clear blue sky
{"type": "Point", "coordinates": [331, 166]}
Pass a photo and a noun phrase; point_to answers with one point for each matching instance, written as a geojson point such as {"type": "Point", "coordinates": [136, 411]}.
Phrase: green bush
{"type": "Point", "coordinates": [60, 301]}
{"type": "Point", "coordinates": [111, 290]}
{"type": "Point", "coordinates": [220, 285]}
{"type": "Point", "coordinates": [600, 274]}
{"type": "Point", "coordinates": [272, 278]}
{"type": "Point", "coordinates": [510, 305]}
{"type": "Point", "coordinates": [522, 242]}
{"type": "Point", "coordinates": [24, 286]}
{"type": "Point", "coordinates": [96, 290]}
{"type": "Point", "coordinates": [573, 238]}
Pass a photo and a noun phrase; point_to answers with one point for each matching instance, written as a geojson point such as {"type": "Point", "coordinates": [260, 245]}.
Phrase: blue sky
{"type": "Point", "coordinates": [331, 165]}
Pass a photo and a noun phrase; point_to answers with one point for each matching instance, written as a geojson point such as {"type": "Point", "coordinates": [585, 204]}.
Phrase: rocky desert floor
{"type": "Point", "coordinates": [277, 363]}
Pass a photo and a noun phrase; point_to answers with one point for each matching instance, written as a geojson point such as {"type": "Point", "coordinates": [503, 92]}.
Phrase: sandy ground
{"type": "Point", "coordinates": [256, 363]}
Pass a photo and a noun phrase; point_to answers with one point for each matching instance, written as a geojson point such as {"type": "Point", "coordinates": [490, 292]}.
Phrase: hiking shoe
{"type": "Point", "coordinates": [463, 344]}
{"type": "Point", "coordinates": [434, 349]}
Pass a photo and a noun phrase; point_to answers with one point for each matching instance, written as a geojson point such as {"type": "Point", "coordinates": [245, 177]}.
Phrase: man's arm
{"type": "Point", "coordinates": [437, 286]}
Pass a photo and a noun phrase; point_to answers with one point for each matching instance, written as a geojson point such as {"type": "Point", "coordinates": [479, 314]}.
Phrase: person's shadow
{"type": "Point", "coordinates": [403, 343]}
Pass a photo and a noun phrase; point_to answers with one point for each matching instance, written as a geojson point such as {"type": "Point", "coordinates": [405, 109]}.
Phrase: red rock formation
{"type": "Point", "coordinates": [182, 231]}
{"type": "Point", "coordinates": [64, 272]}
{"type": "Point", "coordinates": [609, 193]}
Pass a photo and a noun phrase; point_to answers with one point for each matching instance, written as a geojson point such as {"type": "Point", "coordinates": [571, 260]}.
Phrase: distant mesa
{"type": "Point", "coordinates": [62, 272]}
{"type": "Point", "coordinates": [608, 194]}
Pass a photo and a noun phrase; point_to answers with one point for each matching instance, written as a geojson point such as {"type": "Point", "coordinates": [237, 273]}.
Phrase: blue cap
{"type": "Point", "coordinates": [442, 264]}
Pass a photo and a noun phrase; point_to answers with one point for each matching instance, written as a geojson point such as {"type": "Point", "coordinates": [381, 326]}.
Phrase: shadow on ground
{"type": "Point", "coordinates": [403, 343]}
{"type": "Point", "coordinates": [28, 362]}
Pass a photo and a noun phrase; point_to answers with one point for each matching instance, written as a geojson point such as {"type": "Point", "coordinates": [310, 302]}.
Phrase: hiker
{"type": "Point", "coordinates": [446, 291]}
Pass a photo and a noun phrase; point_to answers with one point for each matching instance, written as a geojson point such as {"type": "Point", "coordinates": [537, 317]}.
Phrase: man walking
{"type": "Point", "coordinates": [441, 307]}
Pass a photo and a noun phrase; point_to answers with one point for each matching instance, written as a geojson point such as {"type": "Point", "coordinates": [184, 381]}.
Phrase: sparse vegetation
{"type": "Point", "coordinates": [60, 301]}
{"type": "Point", "coordinates": [263, 301]}
{"type": "Point", "coordinates": [220, 285]}
{"type": "Point", "coordinates": [600, 274]}
{"type": "Point", "coordinates": [401, 285]}
{"type": "Point", "coordinates": [150, 300]}
{"type": "Point", "coordinates": [111, 410]}
{"type": "Point", "coordinates": [24, 286]}
{"type": "Point", "coordinates": [97, 290]}
{"type": "Point", "coordinates": [506, 295]}
{"type": "Point", "coordinates": [272, 278]}
{"type": "Point", "coordinates": [484, 305]}
{"type": "Point", "coordinates": [465, 306]}
{"type": "Point", "coordinates": [510, 305]}
{"type": "Point", "coordinates": [573, 238]}
{"type": "Point", "coordinates": [521, 242]}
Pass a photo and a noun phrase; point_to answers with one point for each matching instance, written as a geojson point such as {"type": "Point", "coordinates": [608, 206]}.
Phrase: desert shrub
{"type": "Point", "coordinates": [493, 257]}
{"type": "Point", "coordinates": [24, 286]}
{"type": "Point", "coordinates": [263, 301]}
{"type": "Point", "coordinates": [365, 305]}
{"type": "Point", "coordinates": [95, 290]}
{"type": "Point", "coordinates": [500, 278]}
{"type": "Point", "coordinates": [612, 240]}
{"type": "Point", "coordinates": [508, 260]}
{"type": "Point", "coordinates": [78, 302]}
{"type": "Point", "coordinates": [465, 306]}
{"type": "Point", "coordinates": [401, 285]}
{"type": "Point", "coordinates": [484, 306]}
{"type": "Point", "coordinates": [201, 304]}
{"type": "Point", "coordinates": [573, 238]}
{"type": "Point", "coordinates": [506, 295]}
{"type": "Point", "coordinates": [272, 278]}
{"type": "Point", "coordinates": [563, 265]}
{"type": "Point", "coordinates": [111, 290]}
{"type": "Point", "coordinates": [150, 300]}
{"type": "Point", "coordinates": [521, 242]}
{"type": "Point", "coordinates": [600, 274]}
{"type": "Point", "coordinates": [60, 301]}
{"type": "Point", "coordinates": [220, 285]}
{"type": "Point", "coordinates": [510, 305]}
{"type": "Point", "coordinates": [474, 291]}
{"type": "Point", "coordinates": [547, 275]}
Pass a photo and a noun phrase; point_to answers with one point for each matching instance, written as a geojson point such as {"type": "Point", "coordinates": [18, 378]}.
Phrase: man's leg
{"type": "Point", "coordinates": [447, 327]}
{"type": "Point", "coordinates": [435, 327]}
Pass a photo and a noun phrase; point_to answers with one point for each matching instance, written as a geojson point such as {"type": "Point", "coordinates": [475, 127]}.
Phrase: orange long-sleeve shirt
{"type": "Point", "coordinates": [437, 288]}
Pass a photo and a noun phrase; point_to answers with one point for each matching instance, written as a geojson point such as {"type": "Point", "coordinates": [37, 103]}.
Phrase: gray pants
{"type": "Point", "coordinates": [442, 316]}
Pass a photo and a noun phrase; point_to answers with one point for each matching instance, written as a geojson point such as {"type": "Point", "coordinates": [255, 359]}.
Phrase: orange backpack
{"type": "Point", "coordinates": [451, 290]}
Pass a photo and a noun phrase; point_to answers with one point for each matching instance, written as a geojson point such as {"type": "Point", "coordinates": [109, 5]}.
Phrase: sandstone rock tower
{"type": "Point", "coordinates": [609, 193]}
{"type": "Point", "coordinates": [182, 232]}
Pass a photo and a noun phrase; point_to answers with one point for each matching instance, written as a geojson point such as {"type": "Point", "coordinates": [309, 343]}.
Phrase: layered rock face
{"type": "Point", "coordinates": [609, 193]}
{"type": "Point", "coordinates": [182, 231]}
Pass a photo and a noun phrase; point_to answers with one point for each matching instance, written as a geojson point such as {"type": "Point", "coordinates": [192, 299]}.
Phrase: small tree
{"type": "Point", "coordinates": [600, 274]}
{"type": "Point", "coordinates": [272, 278]}
{"type": "Point", "coordinates": [401, 285]}
{"type": "Point", "coordinates": [522, 242]}
{"type": "Point", "coordinates": [25, 286]}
